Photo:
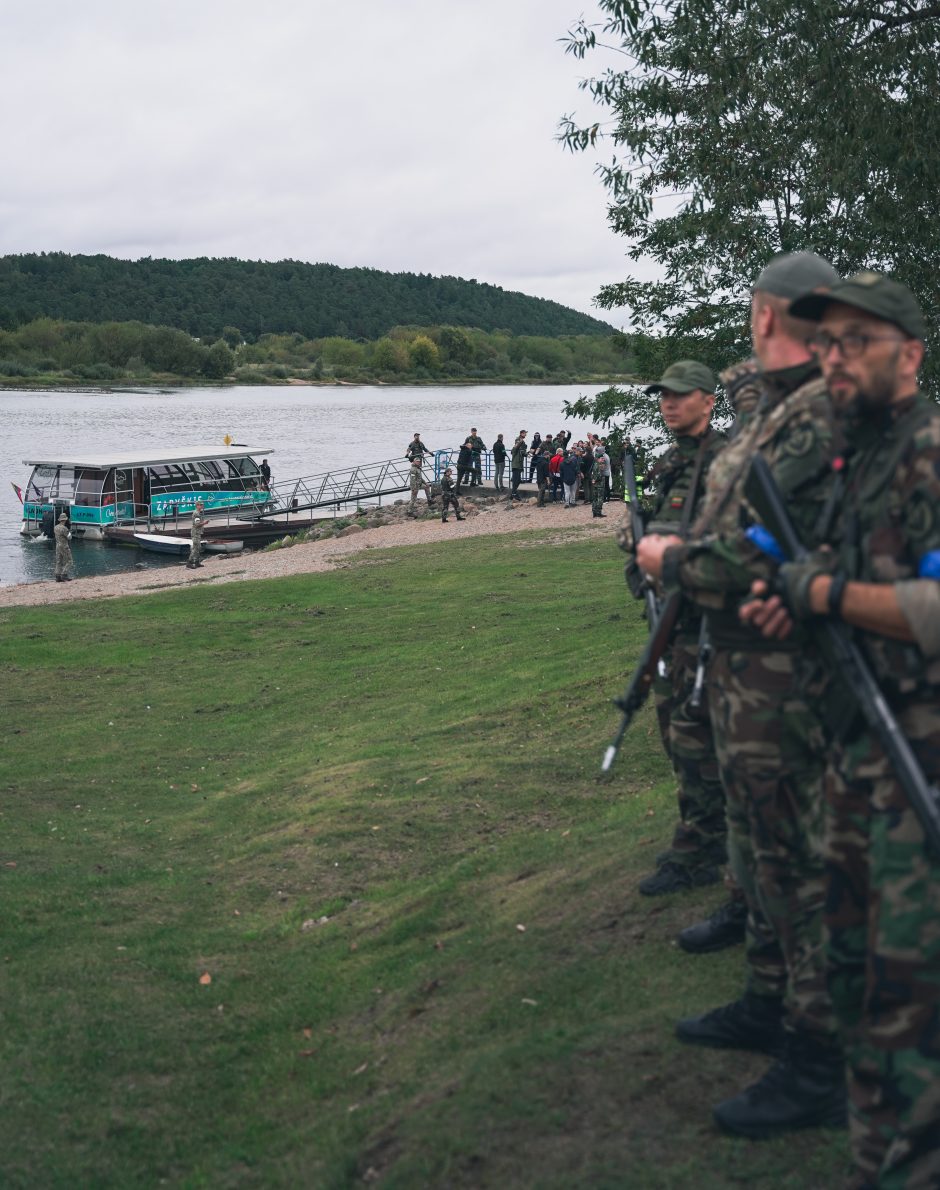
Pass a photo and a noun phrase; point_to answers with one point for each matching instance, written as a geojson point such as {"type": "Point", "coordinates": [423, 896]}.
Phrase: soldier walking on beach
{"type": "Point", "coordinates": [449, 496]}
{"type": "Point", "coordinates": [63, 551]}
{"type": "Point", "coordinates": [195, 537]}
{"type": "Point", "coordinates": [416, 483]}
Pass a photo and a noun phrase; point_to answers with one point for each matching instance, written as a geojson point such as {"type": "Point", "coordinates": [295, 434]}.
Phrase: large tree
{"type": "Point", "coordinates": [741, 128]}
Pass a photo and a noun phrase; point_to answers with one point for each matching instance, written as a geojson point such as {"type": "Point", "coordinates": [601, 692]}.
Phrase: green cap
{"type": "Point", "coordinates": [875, 294]}
{"type": "Point", "coordinates": [683, 377]}
{"type": "Point", "coordinates": [791, 274]}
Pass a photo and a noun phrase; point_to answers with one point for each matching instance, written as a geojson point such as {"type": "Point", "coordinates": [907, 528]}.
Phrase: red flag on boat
{"type": "Point", "coordinates": [19, 491]}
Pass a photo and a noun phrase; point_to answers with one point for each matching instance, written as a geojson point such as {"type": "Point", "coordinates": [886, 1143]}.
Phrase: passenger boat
{"type": "Point", "coordinates": [103, 490]}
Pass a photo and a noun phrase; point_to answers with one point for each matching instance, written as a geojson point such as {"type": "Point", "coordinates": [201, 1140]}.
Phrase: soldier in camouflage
{"type": "Point", "coordinates": [765, 702]}
{"type": "Point", "coordinates": [600, 470]}
{"type": "Point", "coordinates": [63, 551]}
{"type": "Point", "coordinates": [882, 913]}
{"type": "Point", "coordinates": [417, 483]}
{"type": "Point", "coordinates": [449, 496]}
{"type": "Point", "coordinates": [195, 537]}
{"type": "Point", "coordinates": [686, 400]}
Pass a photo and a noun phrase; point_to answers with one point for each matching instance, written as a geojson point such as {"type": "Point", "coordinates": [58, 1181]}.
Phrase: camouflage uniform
{"type": "Point", "coordinates": [765, 695]}
{"type": "Point", "coordinates": [699, 837]}
{"type": "Point", "coordinates": [195, 537]}
{"type": "Point", "coordinates": [598, 475]}
{"type": "Point", "coordinates": [882, 913]}
{"type": "Point", "coordinates": [417, 482]}
{"type": "Point", "coordinates": [63, 551]}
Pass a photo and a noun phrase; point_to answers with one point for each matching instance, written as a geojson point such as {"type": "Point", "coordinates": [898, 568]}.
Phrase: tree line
{"type": "Point", "coordinates": [51, 350]}
{"type": "Point", "coordinates": [202, 296]}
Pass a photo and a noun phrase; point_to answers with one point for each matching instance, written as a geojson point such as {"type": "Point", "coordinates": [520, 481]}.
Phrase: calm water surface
{"type": "Point", "coordinates": [304, 431]}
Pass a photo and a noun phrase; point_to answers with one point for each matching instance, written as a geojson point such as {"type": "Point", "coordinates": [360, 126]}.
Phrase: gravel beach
{"type": "Point", "coordinates": [314, 556]}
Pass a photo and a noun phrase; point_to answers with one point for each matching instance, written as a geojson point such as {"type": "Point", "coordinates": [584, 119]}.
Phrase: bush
{"type": "Point", "coordinates": [250, 376]}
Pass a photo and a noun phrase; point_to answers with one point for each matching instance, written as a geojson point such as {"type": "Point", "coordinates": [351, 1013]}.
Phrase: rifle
{"type": "Point", "coordinates": [701, 664]}
{"type": "Point", "coordinates": [630, 495]}
{"type": "Point", "coordinates": [843, 654]}
{"type": "Point", "coordinates": [639, 685]}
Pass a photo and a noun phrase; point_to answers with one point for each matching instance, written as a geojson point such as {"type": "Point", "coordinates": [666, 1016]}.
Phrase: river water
{"type": "Point", "coordinates": [303, 431]}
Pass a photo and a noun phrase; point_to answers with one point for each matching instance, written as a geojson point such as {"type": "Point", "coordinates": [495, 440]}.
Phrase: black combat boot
{"type": "Point", "coordinates": [805, 1088]}
{"type": "Point", "coordinates": [751, 1023]}
{"type": "Point", "coordinates": [725, 927]}
{"type": "Point", "coordinates": [672, 877]}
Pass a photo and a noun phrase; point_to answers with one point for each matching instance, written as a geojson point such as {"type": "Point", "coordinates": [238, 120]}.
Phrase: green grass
{"type": "Point", "coordinates": [408, 748]}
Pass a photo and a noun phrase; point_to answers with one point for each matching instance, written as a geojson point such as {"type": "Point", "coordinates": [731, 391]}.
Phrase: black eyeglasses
{"type": "Point", "coordinates": [850, 346]}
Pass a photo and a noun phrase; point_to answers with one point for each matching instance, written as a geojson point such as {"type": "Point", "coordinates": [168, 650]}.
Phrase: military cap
{"type": "Point", "coordinates": [793, 274]}
{"type": "Point", "coordinates": [875, 294]}
{"type": "Point", "coordinates": [683, 377]}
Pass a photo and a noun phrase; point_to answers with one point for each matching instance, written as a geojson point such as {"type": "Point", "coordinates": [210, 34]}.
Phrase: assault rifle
{"type": "Point", "coordinates": [638, 688]}
{"type": "Point", "coordinates": [843, 655]}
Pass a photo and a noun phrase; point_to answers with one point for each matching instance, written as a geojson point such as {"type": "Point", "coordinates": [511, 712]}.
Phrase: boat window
{"type": "Point", "coordinates": [51, 483]}
{"type": "Point", "coordinates": [242, 468]}
{"type": "Point", "coordinates": [88, 487]}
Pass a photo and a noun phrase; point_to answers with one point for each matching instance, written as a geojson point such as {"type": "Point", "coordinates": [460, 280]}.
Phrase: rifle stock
{"type": "Point", "coordinates": [844, 655]}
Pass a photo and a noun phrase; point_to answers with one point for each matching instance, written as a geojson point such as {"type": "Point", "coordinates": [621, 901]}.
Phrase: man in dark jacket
{"type": "Point", "coordinates": [478, 446]}
{"type": "Point", "coordinates": [464, 463]}
{"type": "Point", "coordinates": [499, 463]}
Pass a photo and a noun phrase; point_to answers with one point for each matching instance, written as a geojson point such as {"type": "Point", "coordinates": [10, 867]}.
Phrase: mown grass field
{"type": "Point", "coordinates": [266, 855]}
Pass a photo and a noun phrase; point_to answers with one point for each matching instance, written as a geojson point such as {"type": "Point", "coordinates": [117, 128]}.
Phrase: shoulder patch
{"type": "Point", "coordinates": [799, 442]}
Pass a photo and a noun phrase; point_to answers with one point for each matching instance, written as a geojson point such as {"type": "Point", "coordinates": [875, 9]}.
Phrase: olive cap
{"type": "Point", "coordinates": [793, 274]}
{"type": "Point", "coordinates": [683, 377]}
{"type": "Point", "coordinates": [875, 294]}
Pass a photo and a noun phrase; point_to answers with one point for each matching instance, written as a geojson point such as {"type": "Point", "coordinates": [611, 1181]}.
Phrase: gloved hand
{"type": "Point", "coordinates": [794, 580]}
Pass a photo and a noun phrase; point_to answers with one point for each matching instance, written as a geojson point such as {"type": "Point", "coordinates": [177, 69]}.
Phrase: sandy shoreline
{"type": "Point", "coordinates": [311, 557]}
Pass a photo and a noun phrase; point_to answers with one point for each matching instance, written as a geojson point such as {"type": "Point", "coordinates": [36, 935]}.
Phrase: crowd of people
{"type": "Point", "coordinates": [563, 472]}
{"type": "Point", "coordinates": [812, 769]}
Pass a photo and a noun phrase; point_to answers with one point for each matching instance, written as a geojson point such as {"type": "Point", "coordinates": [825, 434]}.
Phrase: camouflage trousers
{"type": "Point", "coordinates": [882, 945]}
{"type": "Point", "coordinates": [771, 751]}
{"type": "Point", "coordinates": [195, 549]}
{"type": "Point", "coordinates": [413, 502]}
{"type": "Point", "coordinates": [63, 560]}
{"type": "Point", "coordinates": [699, 837]}
{"type": "Point", "coordinates": [597, 496]}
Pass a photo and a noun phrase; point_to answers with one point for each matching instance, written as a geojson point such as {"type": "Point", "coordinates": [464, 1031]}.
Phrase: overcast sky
{"type": "Point", "coordinates": [409, 135]}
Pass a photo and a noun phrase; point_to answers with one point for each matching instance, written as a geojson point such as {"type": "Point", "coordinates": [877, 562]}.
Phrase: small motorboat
{"type": "Point", "coordinates": [163, 543]}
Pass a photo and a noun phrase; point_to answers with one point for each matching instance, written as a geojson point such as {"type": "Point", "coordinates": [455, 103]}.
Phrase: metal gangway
{"type": "Point", "coordinates": [352, 485]}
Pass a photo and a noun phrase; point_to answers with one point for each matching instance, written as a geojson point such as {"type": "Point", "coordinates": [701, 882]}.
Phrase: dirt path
{"type": "Point", "coordinates": [312, 557]}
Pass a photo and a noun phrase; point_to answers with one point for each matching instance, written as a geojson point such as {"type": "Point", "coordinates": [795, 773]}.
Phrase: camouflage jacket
{"type": "Point", "coordinates": [61, 535]}
{"type": "Point", "coordinates": [519, 452]}
{"type": "Point", "coordinates": [889, 532]}
{"type": "Point", "coordinates": [416, 448]}
{"type": "Point", "coordinates": [794, 428]}
{"type": "Point", "coordinates": [669, 482]}
{"type": "Point", "coordinates": [416, 480]}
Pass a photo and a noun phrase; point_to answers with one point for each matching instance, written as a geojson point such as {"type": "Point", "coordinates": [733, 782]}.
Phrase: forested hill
{"type": "Point", "coordinates": [204, 296]}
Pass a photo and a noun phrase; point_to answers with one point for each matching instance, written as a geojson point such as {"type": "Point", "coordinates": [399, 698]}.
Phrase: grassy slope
{"type": "Point", "coordinates": [407, 748]}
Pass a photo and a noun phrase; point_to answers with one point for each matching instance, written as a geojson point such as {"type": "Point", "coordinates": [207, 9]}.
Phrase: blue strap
{"type": "Point", "coordinates": [930, 565]}
{"type": "Point", "coordinates": [765, 542]}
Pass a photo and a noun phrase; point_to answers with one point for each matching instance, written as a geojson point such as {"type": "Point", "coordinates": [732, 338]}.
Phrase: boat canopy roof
{"type": "Point", "coordinates": [153, 458]}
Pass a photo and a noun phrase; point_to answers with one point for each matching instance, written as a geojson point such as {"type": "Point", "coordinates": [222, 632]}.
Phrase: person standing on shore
{"type": "Point", "coordinates": [534, 454]}
{"type": "Point", "coordinates": [478, 446]}
{"type": "Point", "coordinates": [63, 551]}
{"type": "Point", "coordinates": [499, 463]}
{"type": "Point", "coordinates": [598, 475]}
{"type": "Point", "coordinates": [449, 496]}
{"type": "Point", "coordinates": [517, 463]}
{"type": "Point", "coordinates": [195, 537]}
{"type": "Point", "coordinates": [465, 464]}
{"type": "Point", "coordinates": [416, 482]}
